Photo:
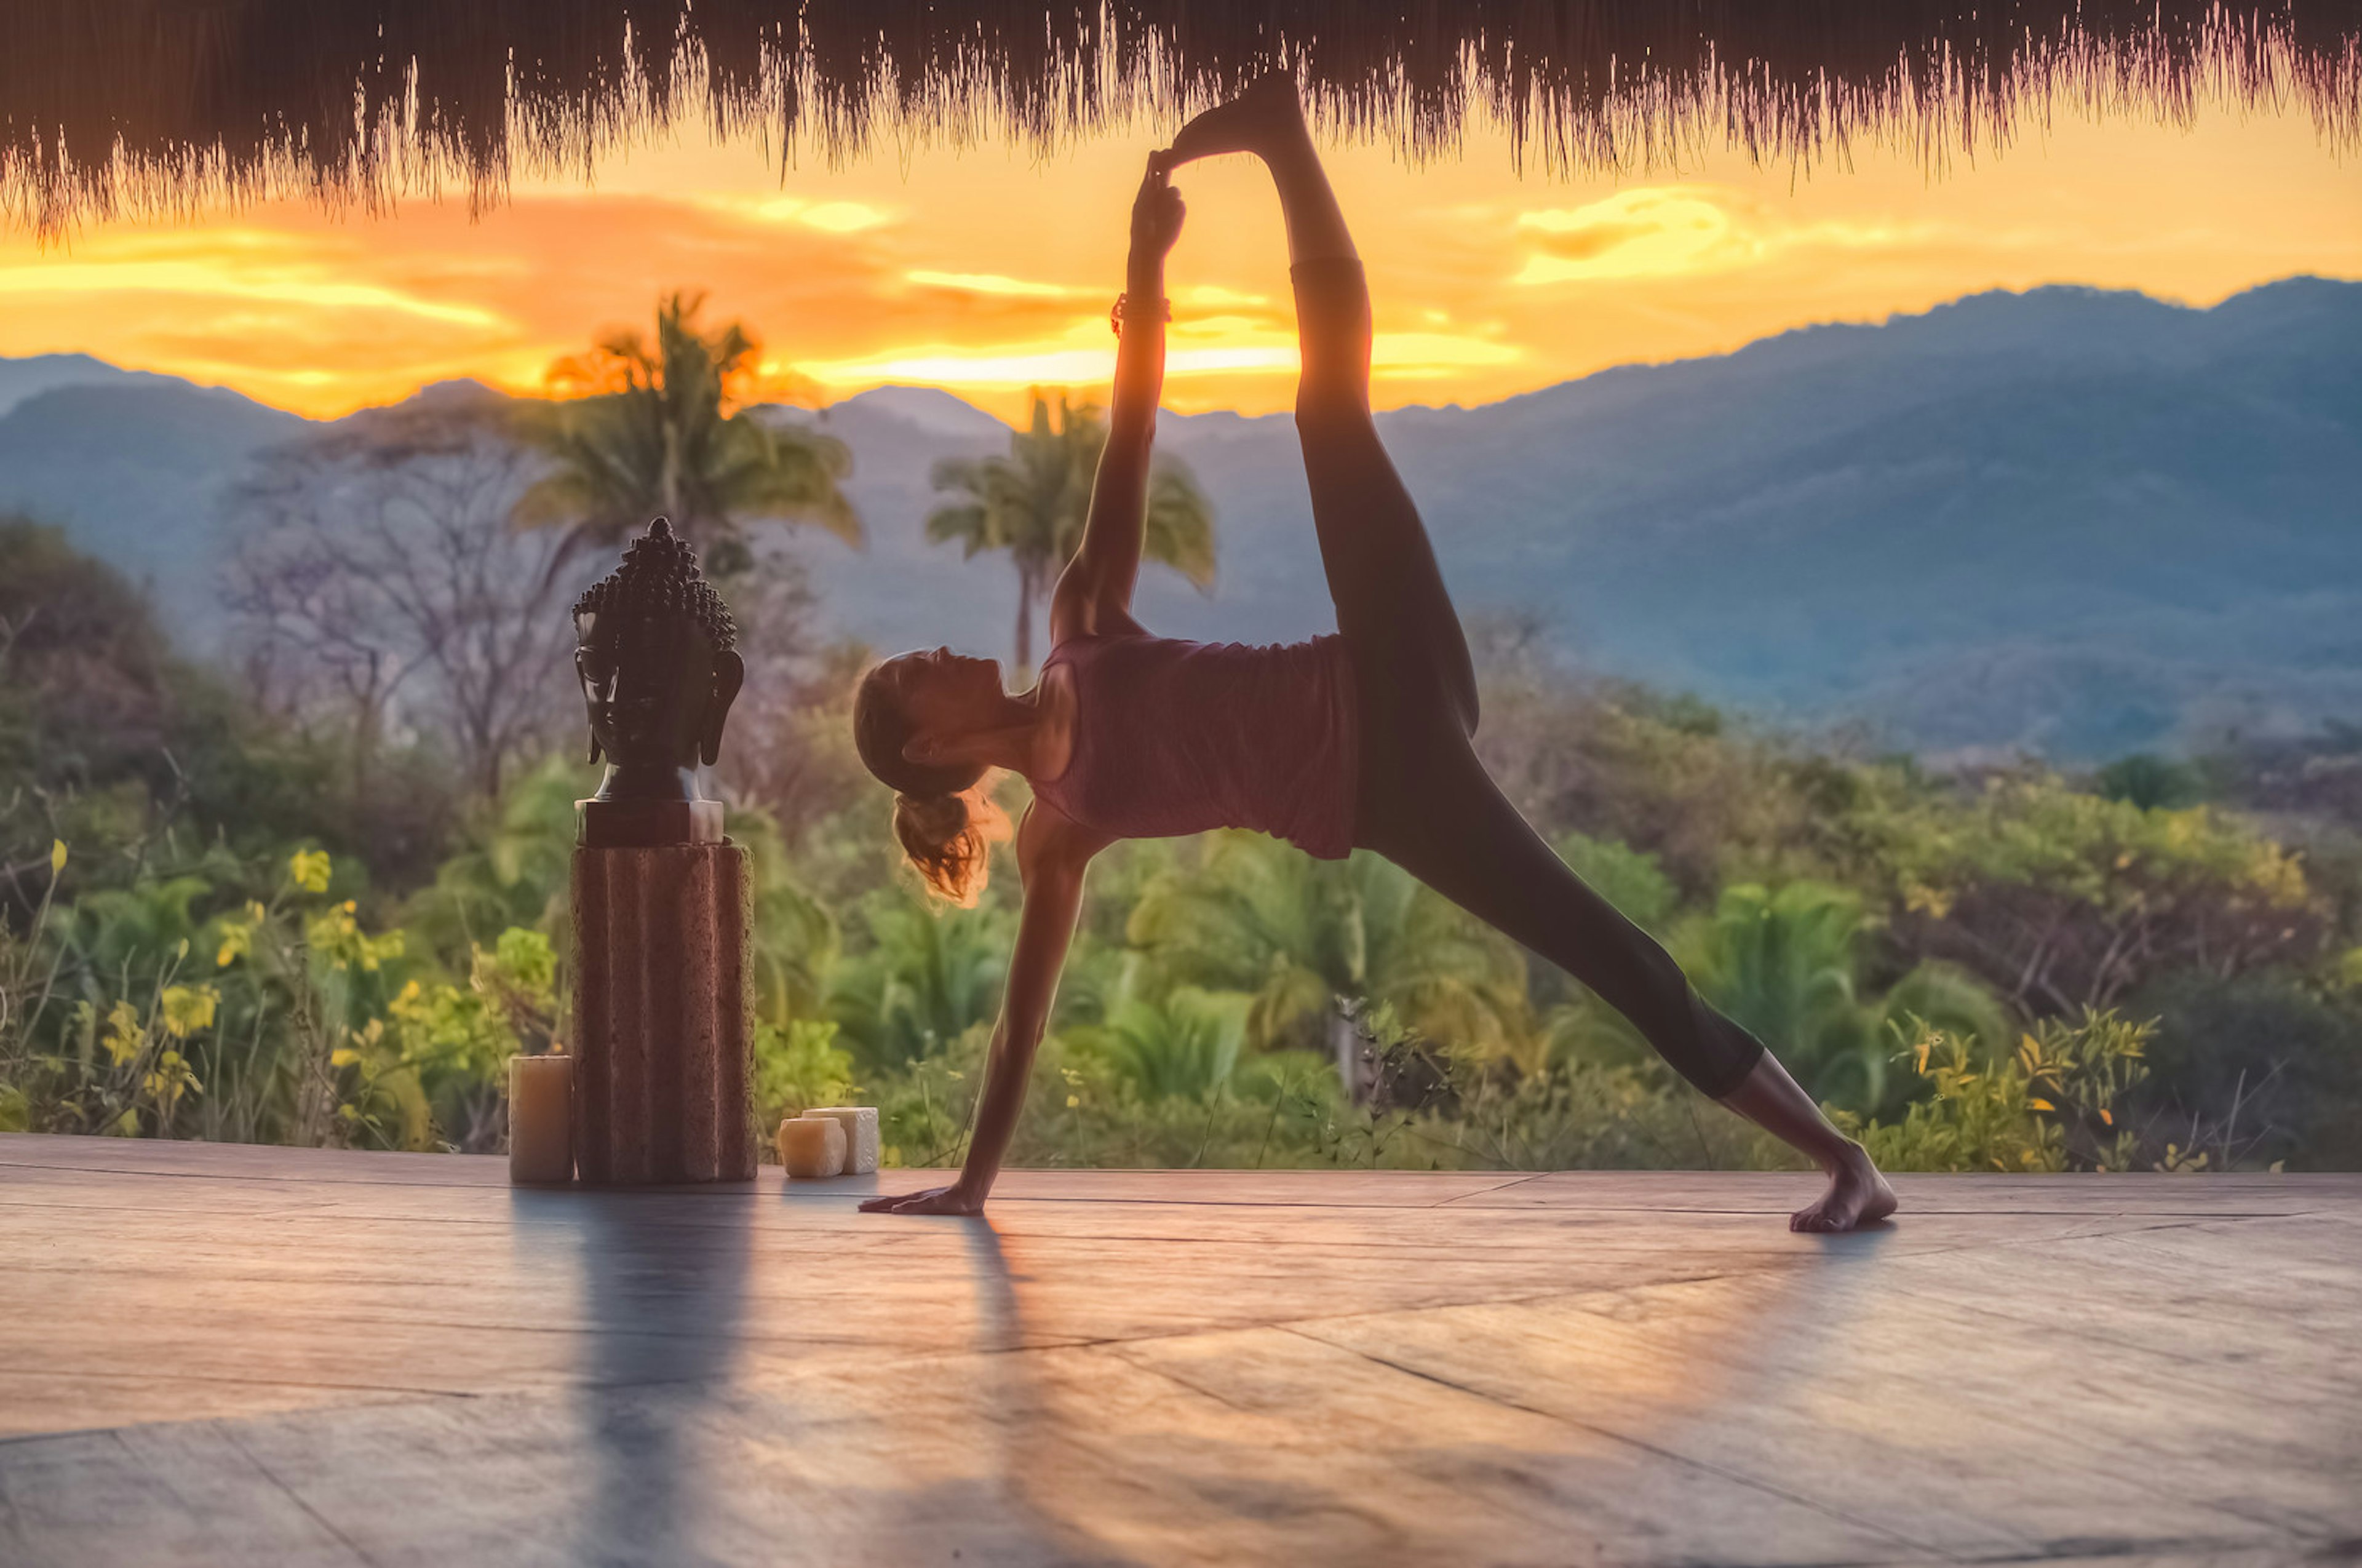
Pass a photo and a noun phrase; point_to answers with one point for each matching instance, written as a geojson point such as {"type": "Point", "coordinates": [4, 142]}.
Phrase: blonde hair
{"type": "Point", "coordinates": [949, 839]}
{"type": "Point", "coordinates": [945, 817]}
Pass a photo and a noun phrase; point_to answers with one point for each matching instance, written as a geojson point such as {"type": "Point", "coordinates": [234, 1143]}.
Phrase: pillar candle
{"type": "Point", "coordinates": [860, 1135]}
{"type": "Point", "coordinates": [541, 1120]}
{"type": "Point", "coordinates": [812, 1145]}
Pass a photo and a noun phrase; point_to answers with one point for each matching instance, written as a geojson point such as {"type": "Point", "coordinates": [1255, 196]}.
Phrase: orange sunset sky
{"type": "Point", "coordinates": [985, 270]}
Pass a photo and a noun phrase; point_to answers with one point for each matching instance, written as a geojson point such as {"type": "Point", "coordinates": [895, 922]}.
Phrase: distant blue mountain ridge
{"type": "Point", "coordinates": [2068, 521]}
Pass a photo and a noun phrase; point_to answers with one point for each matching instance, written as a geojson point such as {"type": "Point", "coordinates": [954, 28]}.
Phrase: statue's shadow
{"type": "Point", "coordinates": [664, 1281]}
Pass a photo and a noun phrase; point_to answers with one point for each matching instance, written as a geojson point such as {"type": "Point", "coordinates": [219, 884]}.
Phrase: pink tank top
{"type": "Point", "coordinates": [1177, 737]}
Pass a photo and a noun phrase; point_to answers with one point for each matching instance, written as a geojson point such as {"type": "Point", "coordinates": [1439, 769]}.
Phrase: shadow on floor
{"type": "Point", "coordinates": [663, 1299]}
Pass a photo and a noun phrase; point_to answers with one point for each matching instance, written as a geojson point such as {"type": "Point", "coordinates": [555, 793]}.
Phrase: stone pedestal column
{"type": "Point", "coordinates": [663, 1039]}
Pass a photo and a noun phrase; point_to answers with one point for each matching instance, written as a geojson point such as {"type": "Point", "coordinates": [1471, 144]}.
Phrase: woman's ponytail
{"type": "Point", "coordinates": [943, 819]}
{"type": "Point", "coordinates": [949, 839]}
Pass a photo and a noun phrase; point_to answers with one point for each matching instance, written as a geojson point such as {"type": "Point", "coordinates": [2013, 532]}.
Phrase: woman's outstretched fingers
{"type": "Point", "coordinates": [928, 1200]}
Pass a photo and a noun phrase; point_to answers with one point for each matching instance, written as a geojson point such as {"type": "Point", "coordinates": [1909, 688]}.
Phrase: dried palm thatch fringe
{"type": "Point", "coordinates": [157, 106]}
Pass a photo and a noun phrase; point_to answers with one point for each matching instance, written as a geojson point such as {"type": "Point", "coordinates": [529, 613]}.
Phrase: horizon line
{"type": "Point", "coordinates": [951, 389]}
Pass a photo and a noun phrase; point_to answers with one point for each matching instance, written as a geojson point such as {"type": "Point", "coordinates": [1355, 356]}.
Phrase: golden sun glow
{"type": "Point", "coordinates": [986, 270]}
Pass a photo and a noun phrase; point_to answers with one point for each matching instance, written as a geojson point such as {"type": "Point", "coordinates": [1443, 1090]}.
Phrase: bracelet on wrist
{"type": "Point", "coordinates": [1115, 314]}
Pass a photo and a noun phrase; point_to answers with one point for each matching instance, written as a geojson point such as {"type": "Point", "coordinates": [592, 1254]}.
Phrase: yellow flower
{"type": "Point", "coordinates": [309, 868]}
{"type": "Point", "coordinates": [237, 941]}
{"type": "Point", "coordinates": [170, 1078]}
{"type": "Point", "coordinates": [188, 1008]}
{"type": "Point", "coordinates": [1073, 1100]}
{"type": "Point", "coordinates": [56, 858]}
{"type": "Point", "coordinates": [125, 1035]}
{"type": "Point", "coordinates": [1920, 898]}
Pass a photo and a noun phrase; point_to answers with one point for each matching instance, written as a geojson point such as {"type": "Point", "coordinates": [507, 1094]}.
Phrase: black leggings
{"type": "Point", "coordinates": [1425, 800]}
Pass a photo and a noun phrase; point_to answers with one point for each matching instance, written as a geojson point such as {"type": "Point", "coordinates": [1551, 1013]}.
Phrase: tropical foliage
{"type": "Point", "coordinates": [1787, 966]}
{"type": "Point", "coordinates": [1310, 941]}
{"type": "Point", "coordinates": [2047, 1105]}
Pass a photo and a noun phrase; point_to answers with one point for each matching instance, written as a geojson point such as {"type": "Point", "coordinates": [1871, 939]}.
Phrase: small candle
{"type": "Point", "coordinates": [813, 1146]}
{"type": "Point", "coordinates": [541, 1120]}
{"type": "Point", "coordinates": [860, 1123]}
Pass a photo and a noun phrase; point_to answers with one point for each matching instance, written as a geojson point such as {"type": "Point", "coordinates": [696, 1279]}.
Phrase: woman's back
{"type": "Point", "coordinates": [1177, 737]}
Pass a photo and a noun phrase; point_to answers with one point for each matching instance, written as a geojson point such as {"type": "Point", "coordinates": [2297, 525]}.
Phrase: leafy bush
{"type": "Point", "coordinates": [1181, 1046]}
{"type": "Point", "coordinates": [2049, 1105]}
{"type": "Point", "coordinates": [799, 1065]}
{"type": "Point", "coordinates": [2257, 1069]}
{"type": "Point", "coordinates": [2062, 900]}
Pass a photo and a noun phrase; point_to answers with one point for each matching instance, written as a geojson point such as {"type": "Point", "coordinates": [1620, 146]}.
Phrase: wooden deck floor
{"type": "Point", "coordinates": [260, 1356]}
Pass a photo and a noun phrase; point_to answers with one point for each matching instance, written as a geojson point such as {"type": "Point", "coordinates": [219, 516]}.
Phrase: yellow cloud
{"type": "Point", "coordinates": [1435, 353]}
{"type": "Point", "coordinates": [988, 283]}
{"type": "Point", "coordinates": [841, 218]}
{"type": "Point", "coordinates": [950, 366]}
{"type": "Point", "coordinates": [829, 218]}
{"type": "Point", "coordinates": [1651, 231]}
{"type": "Point", "coordinates": [1209, 349]}
{"type": "Point", "coordinates": [1212, 295]}
{"type": "Point", "coordinates": [241, 281]}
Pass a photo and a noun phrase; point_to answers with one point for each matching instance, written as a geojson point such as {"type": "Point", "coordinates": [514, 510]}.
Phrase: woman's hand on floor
{"type": "Point", "coordinates": [951, 1200]}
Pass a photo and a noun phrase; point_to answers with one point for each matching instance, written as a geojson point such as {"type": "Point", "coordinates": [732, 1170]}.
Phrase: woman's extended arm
{"type": "Point", "coordinates": [1095, 587]}
{"type": "Point", "coordinates": [1053, 864]}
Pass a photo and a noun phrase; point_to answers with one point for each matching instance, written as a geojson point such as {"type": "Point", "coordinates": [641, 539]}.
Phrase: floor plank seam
{"type": "Point", "coordinates": [1610, 1434]}
{"type": "Point", "coordinates": [230, 1436]}
{"type": "Point", "coordinates": [1525, 1180]}
{"type": "Point", "coordinates": [180, 1375]}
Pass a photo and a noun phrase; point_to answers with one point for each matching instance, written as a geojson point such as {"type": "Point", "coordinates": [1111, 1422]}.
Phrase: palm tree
{"type": "Point", "coordinates": [924, 982]}
{"type": "Point", "coordinates": [1182, 1045]}
{"type": "Point", "coordinates": [1034, 502]}
{"type": "Point", "coordinates": [1784, 964]}
{"type": "Point", "coordinates": [1310, 940]}
{"type": "Point", "coordinates": [652, 431]}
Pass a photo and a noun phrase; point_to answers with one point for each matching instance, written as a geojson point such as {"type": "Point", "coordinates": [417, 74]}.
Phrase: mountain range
{"type": "Point", "coordinates": [2070, 521]}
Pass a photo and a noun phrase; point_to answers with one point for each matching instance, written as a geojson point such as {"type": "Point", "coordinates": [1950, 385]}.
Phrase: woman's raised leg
{"type": "Point", "coordinates": [1392, 605]}
{"type": "Point", "coordinates": [1426, 801]}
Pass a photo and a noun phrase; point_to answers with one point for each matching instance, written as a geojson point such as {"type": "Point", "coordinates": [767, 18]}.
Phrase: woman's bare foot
{"type": "Point", "coordinates": [1266, 117]}
{"type": "Point", "coordinates": [1858, 1196]}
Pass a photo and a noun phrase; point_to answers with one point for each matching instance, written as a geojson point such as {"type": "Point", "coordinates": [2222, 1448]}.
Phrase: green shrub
{"type": "Point", "coordinates": [2048, 1106]}
{"type": "Point", "coordinates": [799, 1065]}
{"type": "Point", "coordinates": [2257, 1069]}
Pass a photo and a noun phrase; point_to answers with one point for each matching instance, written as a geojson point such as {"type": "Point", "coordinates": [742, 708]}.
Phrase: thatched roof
{"type": "Point", "coordinates": [108, 105]}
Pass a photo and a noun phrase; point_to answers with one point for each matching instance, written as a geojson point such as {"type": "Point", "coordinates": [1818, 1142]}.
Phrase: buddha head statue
{"type": "Point", "coordinates": [656, 652]}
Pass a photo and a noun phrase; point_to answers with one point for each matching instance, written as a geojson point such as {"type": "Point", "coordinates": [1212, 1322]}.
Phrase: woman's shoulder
{"type": "Point", "coordinates": [1047, 836]}
{"type": "Point", "coordinates": [1104, 624]}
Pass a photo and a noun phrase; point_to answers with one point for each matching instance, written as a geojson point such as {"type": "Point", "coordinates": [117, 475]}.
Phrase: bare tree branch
{"type": "Point", "coordinates": [382, 588]}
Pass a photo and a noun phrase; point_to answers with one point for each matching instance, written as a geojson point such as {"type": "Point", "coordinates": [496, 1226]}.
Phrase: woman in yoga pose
{"type": "Point", "coordinates": [1356, 740]}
